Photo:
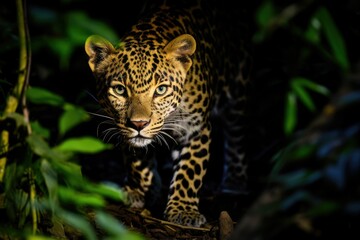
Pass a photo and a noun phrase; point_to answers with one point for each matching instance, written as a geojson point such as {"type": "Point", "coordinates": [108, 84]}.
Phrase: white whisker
{"type": "Point", "coordinates": [112, 135]}
{"type": "Point", "coordinates": [100, 115]}
{"type": "Point", "coordinates": [92, 95]}
{"type": "Point", "coordinates": [108, 131]}
{"type": "Point", "coordinates": [174, 130]}
{"type": "Point", "coordinates": [161, 137]}
{"type": "Point", "coordinates": [168, 135]}
{"type": "Point", "coordinates": [157, 140]}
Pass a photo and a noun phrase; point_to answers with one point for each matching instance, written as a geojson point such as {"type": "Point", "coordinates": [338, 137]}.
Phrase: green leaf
{"type": "Point", "coordinates": [39, 95]}
{"type": "Point", "coordinates": [39, 146]}
{"type": "Point", "coordinates": [323, 208]}
{"type": "Point", "coordinates": [312, 34]}
{"type": "Point", "coordinates": [114, 228]}
{"type": "Point", "coordinates": [50, 178]}
{"type": "Point", "coordinates": [290, 113]}
{"type": "Point", "coordinates": [63, 48]}
{"type": "Point", "coordinates": [109, 224]}
{"type": "Point", "coordinates": [312, 85]}
{"type": "Point", "coordinates": [74, 197]}
{"type": "Point", "coordinates": [71, 117]}
{"type": "Point", "coordinates": [334, 37]}
{"type": "Point", "coordinates": [263, 16]}
{"type": "Point", "coordinates": [304, 151]}
{"type": "Point", "coordinates": [299, 86]}
{"type": "Point", "coordinates": [106, 190]}
{"type": "Point", "coordinates": [67, 168]}
{"type": "Point", "coordinates": [81, 26]}
{"type": "Point", "coordinates": [303, 95]}
{"type": "Point", "coordinates": [78, 222]}
{"type": "Point", "coordinates": [83, 145]}
{"type": "Point", "coordinates": [299, 178]}
{"type": "Point", "coordinates": [265, 13]}
{"type": "Point", "coordinates": [40, 130]}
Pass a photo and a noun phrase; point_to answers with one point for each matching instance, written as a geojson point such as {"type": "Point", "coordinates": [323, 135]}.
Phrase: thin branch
{"type": "Point", "coordinates": [18, 97]}
{"type": "Point", "coordinates": [17, 94]}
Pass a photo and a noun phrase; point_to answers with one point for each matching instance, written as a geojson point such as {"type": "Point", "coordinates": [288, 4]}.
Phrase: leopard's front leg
{"type": "Point", "coordinates": [189, 169]}
{"type": "Point", "coordinates": [142, 178]}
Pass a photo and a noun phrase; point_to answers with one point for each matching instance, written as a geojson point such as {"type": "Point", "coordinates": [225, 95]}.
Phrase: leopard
{"type": "Point", "coordinates": [179, 65]}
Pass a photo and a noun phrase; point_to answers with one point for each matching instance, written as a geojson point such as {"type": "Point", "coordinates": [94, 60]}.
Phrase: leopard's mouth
{"type": "Point", "coordinates": [139, 141]}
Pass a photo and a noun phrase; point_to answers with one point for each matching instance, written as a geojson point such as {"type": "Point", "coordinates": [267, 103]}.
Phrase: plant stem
{"type": "Point", "coordinates": [18, 93]}
{"type": "Point", "coordinates": [18, 97]}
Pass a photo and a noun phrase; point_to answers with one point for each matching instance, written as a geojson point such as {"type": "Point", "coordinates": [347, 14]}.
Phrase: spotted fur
{"type": "Point", "coordinates": [160, 86]}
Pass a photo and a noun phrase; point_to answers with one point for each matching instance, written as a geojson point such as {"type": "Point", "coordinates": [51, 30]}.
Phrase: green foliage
{"type": "Point", "coordinates": [43, 96]}
{"type": "Point", "coordinates": [71, 117]}
{"type": "Point", "coordinates": [319, 170]}
{"type": "Point", "coordinates": [59, 178]}
{"type": "Point", "coordinates": [321, 34]}
{"type": "Point", "coordinates": [299, 90]}
{"type": "Point", "coordinates": [83, 145]}
{"type": "Point", "coordinates": [43, 179]}
{"type": "Point", "coordinates": [70, 31]}
{"type": "Point", "coordinates": [333, 37]}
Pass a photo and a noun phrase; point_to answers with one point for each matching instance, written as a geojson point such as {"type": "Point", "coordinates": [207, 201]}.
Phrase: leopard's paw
{"type": "Point", "coordinates": [188, 218]}
{"type": "Point", "coordinates": [134, 198]}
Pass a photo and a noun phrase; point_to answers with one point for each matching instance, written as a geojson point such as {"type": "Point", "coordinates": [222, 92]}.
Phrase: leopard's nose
{"type": "Point", "coordinates": [137, 125]}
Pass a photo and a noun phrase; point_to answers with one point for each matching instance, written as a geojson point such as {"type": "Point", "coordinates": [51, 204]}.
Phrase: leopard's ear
{"type": "Point", "coordinates": [180, 49]}
{"type": "Point", "coordinates": [97, 48]}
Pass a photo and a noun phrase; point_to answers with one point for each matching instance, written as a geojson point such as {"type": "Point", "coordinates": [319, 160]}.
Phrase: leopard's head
{"type": "Point", "coordinates": [140, 84]}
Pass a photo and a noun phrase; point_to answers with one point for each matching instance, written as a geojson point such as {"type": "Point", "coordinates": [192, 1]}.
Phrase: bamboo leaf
{"type": "Point", "coordinates": [311, 85]}
{"type": "Point", "coordinates": [312, 34]}
{"type": "Point", "coordinates": [302, 94]}
{"type": "Point", "coordinates": [290, 113]}
{"type": "Point", "coordinates": [265, 13]}
{"type": "Point", "coordinates": [334, 38]}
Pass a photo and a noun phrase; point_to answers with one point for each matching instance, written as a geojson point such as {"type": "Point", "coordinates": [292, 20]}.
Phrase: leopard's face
{"type": "Point", "coordinates": [142, 93]}
{"type": "Point", "coordinates": [140, 85]}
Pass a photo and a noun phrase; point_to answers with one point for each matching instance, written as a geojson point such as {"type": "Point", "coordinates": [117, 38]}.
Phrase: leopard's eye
{"type": "Point", "coordinates": [161, 90]}
{"type": "Point", "coordinates": [119, 90]}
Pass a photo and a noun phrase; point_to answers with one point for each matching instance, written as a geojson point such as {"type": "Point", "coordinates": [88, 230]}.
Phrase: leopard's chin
{"type": "Point", "coordinates": [139, 142]}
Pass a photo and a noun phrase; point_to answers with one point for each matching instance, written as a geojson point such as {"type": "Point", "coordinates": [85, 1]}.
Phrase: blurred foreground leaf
{"type": "Point", "coordinates": [334, 38]}
{"type": "Point", "coordinates": [71, 117]}
{"type": "Point", "coordinates": [39, 95]}
{"type": "Point", "coordinates": [290, 113]}
{"type": "Point", "coordinates": [78, 222]}
{"type": "Point", "coordinates": [81, 199]}
{"type": "Point", "coordinates": [83, 145]}
{"type": "Point", "coordinates": [114, 228]}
